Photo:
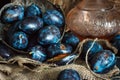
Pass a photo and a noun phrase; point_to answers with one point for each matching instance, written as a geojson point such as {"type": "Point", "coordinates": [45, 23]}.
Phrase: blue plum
{"type": "Point", "coordinates": [12, 29]}
{"type": "Point", "coordinates": [103, 61]}
{"type": "Point", "coordinates": [116, 42]}
{"type": "Point", "coordinates": [38, 53]}
{"type": "Point", "coordinates": [69, 74]}
{"type": "Point", "coordinates": [56, 49]}
{"type": "Point", "coordinates": [5, 52]}
{"type": "Point", "coordinates": [71, 39]}
{"type": "Point", "coordinates": [96, 48]}
{"type": "Point", "coordinates": [49, 35]}
{"type": "Point", "coordinates": [33, 10]}
{"type": "Point", "coordinates": [31, 24]}
{"type": "Point", "coordinates": [12, 13]}
{"type": "Point", "coordinates": [19, 40]}
{"type": "Point", "coordinates": [53, 17]}
{"type": "Point", "coordinates": [116, 37]}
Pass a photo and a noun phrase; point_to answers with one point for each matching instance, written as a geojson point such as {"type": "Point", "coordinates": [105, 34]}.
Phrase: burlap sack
{"type": "Point", "coordinates": [23, 68]}
{"type": "Point", "coordinates": [20, 67]}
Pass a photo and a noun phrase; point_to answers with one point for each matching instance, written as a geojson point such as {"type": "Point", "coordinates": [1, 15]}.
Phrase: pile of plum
{"type": "Point", "coordinates": [41, 35]}
{"type": "Point", "coordinates": [37, 32]}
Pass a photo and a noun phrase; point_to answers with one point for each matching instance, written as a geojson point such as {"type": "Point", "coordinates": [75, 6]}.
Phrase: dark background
{"type": "Point", "coordinates": [3, 2]}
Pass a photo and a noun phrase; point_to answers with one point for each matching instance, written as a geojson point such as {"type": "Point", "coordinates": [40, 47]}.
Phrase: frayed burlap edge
{"type": "Point", "coordinates": [19, 68]}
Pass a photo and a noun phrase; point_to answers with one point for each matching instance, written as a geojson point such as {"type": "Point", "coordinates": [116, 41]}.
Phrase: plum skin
{"type": "Point", "coordinates": [69, 74]}
{"type": "Point", "coordinates": [49, 35]}
{"type": "Point", "coordinates": [12, 13]}
{"type": "Point", "coordinates": [53, 17]}
{"type": "Point", "coordinates": [19, 40]}
{"type": "Point", "coordinates": [103, 61]}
